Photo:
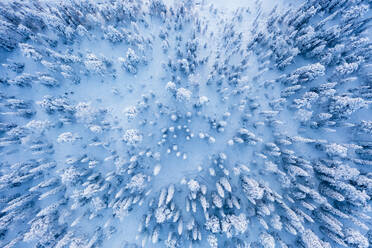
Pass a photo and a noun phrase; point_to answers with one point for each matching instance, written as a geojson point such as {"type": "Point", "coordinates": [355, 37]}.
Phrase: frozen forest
{"type": "Point", "coordinates": [186, 123]}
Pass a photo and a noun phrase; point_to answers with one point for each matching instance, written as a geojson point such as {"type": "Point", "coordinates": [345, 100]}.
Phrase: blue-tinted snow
{"type": "Point", "coordinates": [185, 123]}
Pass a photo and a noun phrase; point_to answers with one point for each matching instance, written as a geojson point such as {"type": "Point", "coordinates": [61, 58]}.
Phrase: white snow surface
{"type": "Point", "coordinates": [185, 123]}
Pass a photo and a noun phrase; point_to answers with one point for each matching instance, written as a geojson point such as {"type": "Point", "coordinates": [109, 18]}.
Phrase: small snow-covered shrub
{"type": "Point", "coordinates": [132, 136]}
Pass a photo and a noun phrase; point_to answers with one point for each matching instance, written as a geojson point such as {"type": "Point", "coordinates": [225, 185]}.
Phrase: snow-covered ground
{"type": "Point", "coordinates": [185, 123]}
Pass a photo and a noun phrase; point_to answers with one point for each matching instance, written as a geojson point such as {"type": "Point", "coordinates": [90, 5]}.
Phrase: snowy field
{"type": "Point", "coordinates": [194, 123]}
